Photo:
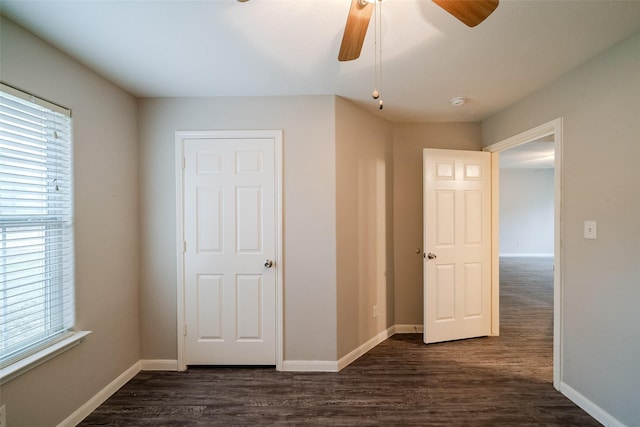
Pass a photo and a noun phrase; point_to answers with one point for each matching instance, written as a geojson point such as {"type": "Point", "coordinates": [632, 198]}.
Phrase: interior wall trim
{"type": "Point", "coordinates": [364, 348]}
{"type": "Point", "coordinates": [92, 404]}
{"type": "Point", "coordinates": [310, 366]}
{"type": "Point", "coordinates": [589, 407]}
{"type": "Point", "coordinates": [159, 365]}
{"type": "Point", "coordinates": [409, 329]}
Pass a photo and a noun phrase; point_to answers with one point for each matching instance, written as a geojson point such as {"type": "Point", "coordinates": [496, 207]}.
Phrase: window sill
{"type": "Point", "coordinates": [21, 366]}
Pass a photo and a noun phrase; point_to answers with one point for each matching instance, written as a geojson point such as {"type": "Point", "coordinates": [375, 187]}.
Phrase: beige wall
{"type": "Point", "coordinates": [526, 211]}
{"type": "Point", "coordinates": [309, 211]}
{"type": "Point", "coordinates": [408, 142]}
{"type": "Point", "coordinates": [601, 181]}
{"type": "Point", "coordinates": [106, 230]}
{"type": "Point", "coordinates": [364, 225]}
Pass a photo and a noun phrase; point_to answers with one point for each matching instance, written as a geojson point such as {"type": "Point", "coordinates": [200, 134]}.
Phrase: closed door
{"type": "Point", "coordinates": [457, 242]}
{"type": "Point", "coordinates": [230, 251]}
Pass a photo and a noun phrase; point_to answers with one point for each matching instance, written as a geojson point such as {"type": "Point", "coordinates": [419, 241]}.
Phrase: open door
{"type": "Point", "coordinates": [457, 244]}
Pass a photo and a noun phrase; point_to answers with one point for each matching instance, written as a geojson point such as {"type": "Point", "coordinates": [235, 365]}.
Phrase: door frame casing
{"type": "Point", "coordinates": [553, 127]}
{"type": "Point", "coordinates": [276, 136]}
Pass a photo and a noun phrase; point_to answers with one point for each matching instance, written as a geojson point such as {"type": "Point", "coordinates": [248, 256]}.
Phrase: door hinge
{"type": "Point", "coordinates": [185, 330]}
{"type": "Point", "coordinates": [184, 246]}
{"type": "Point", "coordinates": [184, 162]}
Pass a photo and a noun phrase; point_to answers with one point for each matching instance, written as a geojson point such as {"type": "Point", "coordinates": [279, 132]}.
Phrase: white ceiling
{"type": "Point", "coordinates": [289, 47]}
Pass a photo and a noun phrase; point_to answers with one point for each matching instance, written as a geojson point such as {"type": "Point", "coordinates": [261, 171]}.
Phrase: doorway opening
{"type": "Point", "coordinates": [521, 146]}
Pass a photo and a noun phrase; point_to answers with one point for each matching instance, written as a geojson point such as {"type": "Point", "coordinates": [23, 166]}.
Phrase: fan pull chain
{"type": "Point", "coordinates": [377, 46]}
{"type": "Point", "coordinates": [375, 94]}
{"type": "Point", "coordinates": [381, 105]}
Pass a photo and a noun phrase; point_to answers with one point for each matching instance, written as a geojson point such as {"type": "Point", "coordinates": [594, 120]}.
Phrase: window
{"type": "Point", "coordinates": [36, 228]}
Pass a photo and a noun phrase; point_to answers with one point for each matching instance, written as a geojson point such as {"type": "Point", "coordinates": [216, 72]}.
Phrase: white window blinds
{"type": "Point", "coordinates": [36, 230]}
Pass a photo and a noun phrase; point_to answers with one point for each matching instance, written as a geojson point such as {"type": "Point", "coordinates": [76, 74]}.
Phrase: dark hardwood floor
{"type": "Point", "coordinates": [493, 381]}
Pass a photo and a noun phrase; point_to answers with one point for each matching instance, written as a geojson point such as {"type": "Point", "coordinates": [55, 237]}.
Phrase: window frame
{"type": "Point", "coordinates": [54, 269]}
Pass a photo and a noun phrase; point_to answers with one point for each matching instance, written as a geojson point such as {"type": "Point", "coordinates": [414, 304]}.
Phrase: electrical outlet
{"type": "Point", "coordinates": [3, 416]}
{"type": "Point", "coordinates": [375, 311]}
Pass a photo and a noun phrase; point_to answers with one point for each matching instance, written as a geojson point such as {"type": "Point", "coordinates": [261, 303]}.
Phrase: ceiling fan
{"type": "Point", "coordinates": [470, 12]}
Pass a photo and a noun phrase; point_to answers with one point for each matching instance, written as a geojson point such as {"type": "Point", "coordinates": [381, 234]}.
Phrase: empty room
{"type": "Point", "coordinates": [226, 212]}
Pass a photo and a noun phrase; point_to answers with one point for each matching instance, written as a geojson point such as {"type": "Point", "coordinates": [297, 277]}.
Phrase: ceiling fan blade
{"type": "Point", "coordinates": [355, 30]}
{"type": "Point", "coordinates": [470, 12]}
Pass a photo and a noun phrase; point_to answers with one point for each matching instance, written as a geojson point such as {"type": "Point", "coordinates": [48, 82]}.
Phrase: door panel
{"type": "Point", "coordinates": [445, 292]}
{"type": "Point", "coordinates": [209, 219]}
{"type": "Point", "coordinates": [249, 220]}
{"type": "Point", "coordinates": [210, 307]}
{"type": "Point", "coordinates": [229, 231]}
{"type": "Point", "coordinates": [446, 213]}
{"type": "Point", "coordinates": [457, 235]}
{"type": "Point", "coordinates": [472, 290]}
{"type": "Point", "coordinates": [248, 307]}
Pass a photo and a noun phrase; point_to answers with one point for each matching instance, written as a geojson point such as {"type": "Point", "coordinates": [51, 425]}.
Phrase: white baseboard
{"type": "Point", "coordinates": [355, 354]}
{"type": "Point", "coordinates": [159, 365]}
{"type": "Point", "coordinates": [409, 329]}
{"type": "Point", "coordinates": [97, 400]}
{"type": "Point", "coordinates": [527, 255]}
{"type": "Point", "coordinates": [589, 407]}
{"type": "Point", "coordinates": [310, 366]}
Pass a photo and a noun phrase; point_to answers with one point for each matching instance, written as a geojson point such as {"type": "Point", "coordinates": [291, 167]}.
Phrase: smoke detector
{"type": "Point", "coordinates": [458, 101]}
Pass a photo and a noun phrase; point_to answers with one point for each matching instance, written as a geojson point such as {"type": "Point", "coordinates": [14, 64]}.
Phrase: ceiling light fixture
{"type": "Point", "coordinates": [458, 101]}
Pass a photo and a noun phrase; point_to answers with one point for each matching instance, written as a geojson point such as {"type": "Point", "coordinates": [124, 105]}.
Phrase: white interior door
{"type": "Point", "coordinates": [457, 242]}
{"type": "Point", "coordinates": [229, 228]}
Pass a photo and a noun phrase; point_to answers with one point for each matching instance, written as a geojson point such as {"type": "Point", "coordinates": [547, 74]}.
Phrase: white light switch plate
{"type": "Point", "coordinates": [590, 230]}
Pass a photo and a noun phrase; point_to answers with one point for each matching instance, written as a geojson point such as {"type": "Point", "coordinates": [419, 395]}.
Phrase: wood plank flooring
{"type": "Point", "coordinates": [492, 381]}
